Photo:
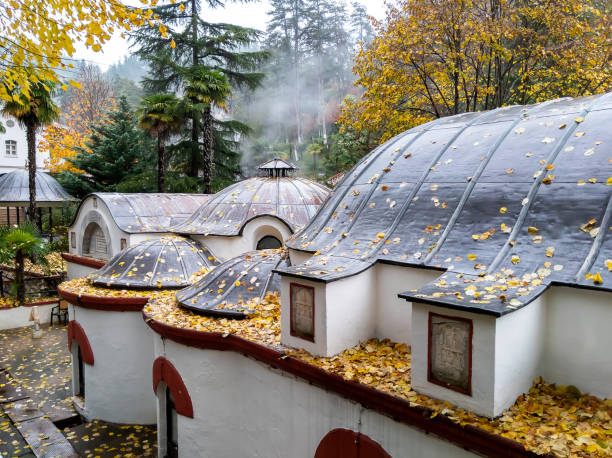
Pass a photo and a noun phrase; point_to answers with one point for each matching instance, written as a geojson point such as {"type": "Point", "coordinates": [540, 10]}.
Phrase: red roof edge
{"type": "Point", "coordinates": [467, 437]}
{"type": "Point", "coordinates": [107, 303]}
{"type": "Point", "coordinates": [83, 261]}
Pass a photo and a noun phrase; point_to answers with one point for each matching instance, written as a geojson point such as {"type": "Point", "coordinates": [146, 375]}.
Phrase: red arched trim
{"type": "Point", "coordinates": [163, 370]}
{"type": "Point", "coordinates": [344, 443]}
{"type": "Point", "coordinates": [76, 332]}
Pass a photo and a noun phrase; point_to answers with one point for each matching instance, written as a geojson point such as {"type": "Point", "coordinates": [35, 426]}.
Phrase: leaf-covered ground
{"type": "Point", "coordinates": [42, 368]}
{"type": "Point", "coordinates": [55, 265]}
{"type": "Point", "coordinates": [548, 419]}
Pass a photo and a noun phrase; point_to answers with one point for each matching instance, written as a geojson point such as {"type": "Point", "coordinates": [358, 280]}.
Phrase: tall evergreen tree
{"type": "Point", "coordinates": [361, 28]}
{"type": "Point", "coordinates": [198, 46]}
{"type": "Point", "coordinates": [116, 151]}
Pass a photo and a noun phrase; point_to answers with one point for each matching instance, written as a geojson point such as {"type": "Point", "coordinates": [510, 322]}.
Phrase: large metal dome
{"type": "Point", "coordinates": [15, 190]}
{"type": "Point", "coordinates": [519, 195]}
{"type": "Point", "coordinates": [227, 290]}
{"type": "Point", "coordinates": [292, 200]}
{"type": "Point", "coordinates": [167, 262]}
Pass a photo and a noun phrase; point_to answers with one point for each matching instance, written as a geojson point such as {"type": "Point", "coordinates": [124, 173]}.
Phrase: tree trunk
{"type": "Point", "coordinates": [209, 164]}
{"type": "Point", "coordinates": [195, 124]}
{"type": "Point", "coordinates": [161, 161]}
{"type": "Point", "coordinates": [31, 139]}
{"type": "Point", "coordinates": [19, 269]}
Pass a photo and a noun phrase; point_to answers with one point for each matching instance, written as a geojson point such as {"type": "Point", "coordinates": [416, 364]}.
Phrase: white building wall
{"type": "Point", "coordinates": [482, 400]}
{"type": "Point", "coordinates": [74, 270]}
{"type": "Point", "coordinates": [19, 317]}
{"type": "Point", "coordinates": [117, 386]}
{"type": "Point", "coordinates": [519, 339]}
{"type": "Point", "coordinates": [243, 408]}
{"type": "Point", "coordinates": [578, 339]}
{"type": "Point", "coordinates": [8, 163]}
{"type": "Point", "coordinates": [225, 248]}
{"type": "Point", "coordinates": [93, 209]}
{"type": "Point", "coordinates": [394, 315]}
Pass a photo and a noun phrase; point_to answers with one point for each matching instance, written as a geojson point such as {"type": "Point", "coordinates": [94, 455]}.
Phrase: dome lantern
{"type": "Point", "coordinates": [276, 167]}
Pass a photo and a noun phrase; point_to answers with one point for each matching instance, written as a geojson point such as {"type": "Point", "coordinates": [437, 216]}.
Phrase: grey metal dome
{"type": "Point", "coordinates": [292, 200]}
{"type": "Point", "coordinates": [167, 262]}
{"type": "Point", "coordinates": [15, 190]}
{"type": "Point", "coordinates": [519, 195]}
{"type": "Point", "coordinates": [227, 290]}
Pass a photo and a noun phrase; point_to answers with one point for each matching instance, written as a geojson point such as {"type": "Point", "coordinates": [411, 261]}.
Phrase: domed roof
{"type": "Point", "coordinates": [292, 200]}
{"type": "Point", "coordinates": [15, 190]}
{"type": "Point", "coordinates": [147, 212]}
{"type": "Point", "coordinates": [167, 262]}
{"type": "Point", "coordinates": [226, 290]}
{"type": "Point", "coordinates": [515, 196]}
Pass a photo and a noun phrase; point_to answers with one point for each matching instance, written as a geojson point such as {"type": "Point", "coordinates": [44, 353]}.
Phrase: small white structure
{"type": "Point", "coordinates": [496, 227]}
{"type": "Point", "coordinates": [256, 213]}
{"type": "Point", "coordinates": [14, 147]}
{"type": "Point", "coordinates": [111, 346]}
{"type": "Point", "coordinates": [106, 223]}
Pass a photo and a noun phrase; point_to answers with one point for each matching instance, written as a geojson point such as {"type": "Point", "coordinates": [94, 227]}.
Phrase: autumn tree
{"type": "Point", "coordinates": [37, 38]}
{"type": "Point", "coordinates": [81, 109]}
{"type": "Point", "coordinates": [436, 58]}
{"type": "Point", "coordinates": [116, 151]}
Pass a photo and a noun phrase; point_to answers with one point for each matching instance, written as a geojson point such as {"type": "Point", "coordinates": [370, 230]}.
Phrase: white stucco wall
{"type": "Point", "coordinates": [225, 248]}
{"type": "Point", "coordinates": [578, 339]}
{"type": "Point", "coordinates": [519, 338]}
{"type": "Point", "coordinates": [117, 386]}
{"type": "Point", "coordinates": [100, 215]}
{"type": "Point", "coordinates": [18, 317]}
{"type": "Point", "coordinates": [17, 134]}
{"type": "Point", "coordinates": [482, 400]}
{"type": "Point", "coordinates": [394, 315]}
{"type": "Point", "coordinates": [242, 408]}
{"type": "Point", "coordinates": [357, 308]}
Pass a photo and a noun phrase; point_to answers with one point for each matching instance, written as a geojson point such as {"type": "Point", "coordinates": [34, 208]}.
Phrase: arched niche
{"type": "Point", "coordinates": [95, 239]}
{"type": "Point", "coordinates": [344, 443]}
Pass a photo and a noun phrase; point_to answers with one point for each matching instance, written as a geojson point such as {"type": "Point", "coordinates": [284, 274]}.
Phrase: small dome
{"type": "Point", "coordinates": [292, 200]}
{"type": "Point", "coordinates": [167, 262]}
{"type": "Point", "coordinates": [226, 291]}
{"type": "Point", "coordinates": [15, 190]}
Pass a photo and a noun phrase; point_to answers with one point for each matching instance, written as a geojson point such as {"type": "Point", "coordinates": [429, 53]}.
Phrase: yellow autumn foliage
{"type": "Point", "coordinates": [38, 37]}
{"type": "Point", "coordinates": [437, 58]}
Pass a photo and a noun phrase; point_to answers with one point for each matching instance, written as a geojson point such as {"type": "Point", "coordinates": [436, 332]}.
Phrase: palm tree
{"type": "Point", "coordinates": [212, 89]}
{"type": "Point", "coordinates": [18, 244]}
{"type": "Point", "coordinates": [161, 115]}
{"type": "Point", "coordinates": [32, 110]}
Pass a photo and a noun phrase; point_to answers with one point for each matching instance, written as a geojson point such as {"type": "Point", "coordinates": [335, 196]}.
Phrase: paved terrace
{"type": "Point", "coordinates": [36, 414]}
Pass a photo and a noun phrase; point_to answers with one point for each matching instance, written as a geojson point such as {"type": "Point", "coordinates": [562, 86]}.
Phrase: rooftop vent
{"type": "Point", "coordinates": [276, 167]}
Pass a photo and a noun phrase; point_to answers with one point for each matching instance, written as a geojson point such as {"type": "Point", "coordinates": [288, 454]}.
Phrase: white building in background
{"type": "Point", "coordinates": [14, 147]}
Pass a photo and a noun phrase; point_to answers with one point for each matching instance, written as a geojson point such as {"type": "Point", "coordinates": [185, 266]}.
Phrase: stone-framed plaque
{"type": "Point", "coordinates": [449, 360]}
{"type": "Point", "coordinates": [302, 310]}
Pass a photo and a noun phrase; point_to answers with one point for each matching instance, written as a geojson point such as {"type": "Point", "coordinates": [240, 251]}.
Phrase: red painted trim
{"type": "Point", "coordinates": [468, 437]}
{"type": "Point", "coordinates": [291, 331]}
{"type": "Point", "coordinates": [430, 379]}
{"type": "Point", "coordinates": [164, 370]}
{"type": "Point", "coordinates": [83, 261]}
{"type": "Point", "coordinates": [32, 304]}
{"type": "Point", "coordinates": [76, 332]}
{"type": "Point", "coordinates": [107, 303]}
{"type": "Point", "coordinates": [344, 443]}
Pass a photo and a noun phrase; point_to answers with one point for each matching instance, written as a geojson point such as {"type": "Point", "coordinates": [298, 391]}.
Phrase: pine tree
{"type": "Point", "coordinates": [116, 151]}
{"type": "Point", "coordinates": [197, 47]}
{"type": "Point", "coordinates": [361, 28]}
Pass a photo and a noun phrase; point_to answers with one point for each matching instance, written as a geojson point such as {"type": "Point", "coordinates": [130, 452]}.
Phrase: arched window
{"type": "Point", "coordinates": [94, 242]}
{"type": "Point", "coordinates": [344, 443]}
{"type": "Point", "coordinates": [268, 242]}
